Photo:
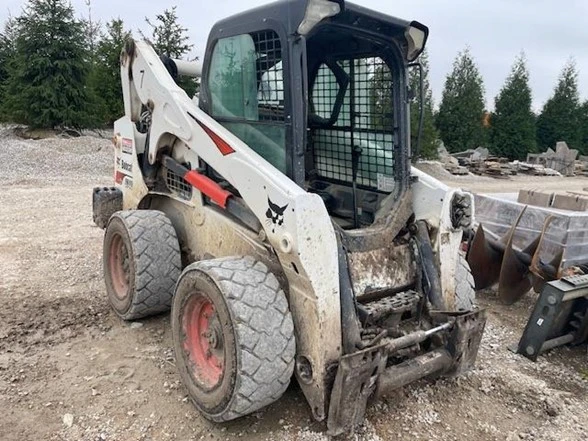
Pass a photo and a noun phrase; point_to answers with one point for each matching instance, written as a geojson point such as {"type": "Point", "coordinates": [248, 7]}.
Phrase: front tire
{"type": "Point", "coordinates": [465, 293]}
{"type": "Point", "coordinates": [233, 336]}
{"type": "Point", "coordinates": [142, 263]}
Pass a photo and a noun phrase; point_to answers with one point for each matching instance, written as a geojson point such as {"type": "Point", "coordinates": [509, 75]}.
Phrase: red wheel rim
{"type": "Point", "coordinates": [203, 340]}
{"type": "Point", "coordinates": [119, 262]}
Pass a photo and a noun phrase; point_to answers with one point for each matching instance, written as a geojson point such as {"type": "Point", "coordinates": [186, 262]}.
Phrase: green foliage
{"type": "Point", "coordinates": [170, 38]}
{"type": "Point", "coordinates": [462, 106]}
{"type": "Point", "coordinates": [92, 29]}
{"type": "Point", "coordinates": [47, 84]}
{"type": "Point", "coordinates": [105, 77]}
{"type": "Point", "coordinates": [7, 51]}
{"type": "Point", "coordinates": [559, 119]}
{"type": "Point", "coordinates": [512, 132]}
{"type": "Point", "coordinates": [428, 145]}
{"type": "Point", "coordinates": [381, 98]}
{"type": "Point", "coordinates": [583, 123]}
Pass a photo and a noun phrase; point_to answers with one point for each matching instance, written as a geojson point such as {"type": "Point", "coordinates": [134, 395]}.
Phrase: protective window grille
{"type": "Point", "coordinates": [270, 82]}
{"type": "Point", "coordinates": [178, 185]}
{"type": "Point", "coordinates": [365, 120]}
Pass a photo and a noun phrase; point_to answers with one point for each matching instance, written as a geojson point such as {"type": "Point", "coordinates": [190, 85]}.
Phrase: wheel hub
{"type": "Point", "coordinates": [119, 262]}
{"type": "Point", "coordinates": [203, 340]}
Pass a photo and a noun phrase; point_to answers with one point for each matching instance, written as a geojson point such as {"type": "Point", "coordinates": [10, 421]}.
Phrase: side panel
{"type": "Point", "coordinates": [127, 174]}
{"type": "Point", "coordinates": [432, 203]}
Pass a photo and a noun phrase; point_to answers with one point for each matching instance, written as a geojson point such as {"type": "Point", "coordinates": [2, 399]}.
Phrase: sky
{"type": "Point", "coordinates": [550, 32]}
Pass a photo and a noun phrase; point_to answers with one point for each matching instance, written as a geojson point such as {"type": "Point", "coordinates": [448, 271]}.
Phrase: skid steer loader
{"type": "Point", "coordinates": [277, 215]}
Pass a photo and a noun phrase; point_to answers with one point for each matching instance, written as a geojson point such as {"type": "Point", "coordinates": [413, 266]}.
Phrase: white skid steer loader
{"type": "Point", "coordinates": [277, 216]}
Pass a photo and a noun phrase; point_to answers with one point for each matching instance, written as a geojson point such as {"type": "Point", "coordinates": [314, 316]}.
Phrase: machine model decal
{"type": "Point", "coordinates": [275, 214]}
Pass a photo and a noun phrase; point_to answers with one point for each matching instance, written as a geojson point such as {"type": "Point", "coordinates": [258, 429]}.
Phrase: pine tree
{"type": "Point", "coordinates": [170, 38]}
{"type": "Point", "coordinates": [7, 52]}
{"type": "Point", "coordinates": [48, 76]}
{"type": "Point", "coordinates": [512, 132]}
{"type": "Point", "coordinates": [583, 123]}
{"type": "Point", "coordinates": [462, 106]}
{"type": "Point", "coordinates": [93, 30]}
{"type": "Point", "coordinates": [106, 76]}
{"type": "Point", "coordinates": [558, 120]}
{"type": "Point", "coordinates": [428, 145]}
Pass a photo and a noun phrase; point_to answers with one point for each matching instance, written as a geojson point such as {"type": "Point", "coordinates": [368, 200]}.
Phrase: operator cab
{"type": "Point", "coordinates": [319, 89]}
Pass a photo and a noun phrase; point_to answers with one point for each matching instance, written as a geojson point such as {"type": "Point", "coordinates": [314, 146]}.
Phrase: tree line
{"type": "Point", "coordinates": [512, 130]}
{"type": "Point", "coordinates": [57, 70]}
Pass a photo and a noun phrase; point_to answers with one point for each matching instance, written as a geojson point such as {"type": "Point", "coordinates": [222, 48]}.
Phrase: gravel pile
{"type": "Point", "coordinates": [86, 159]}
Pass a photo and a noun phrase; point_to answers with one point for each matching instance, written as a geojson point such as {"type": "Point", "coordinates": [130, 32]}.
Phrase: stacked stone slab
{"type": "Point", "coordinates": [563, 159]}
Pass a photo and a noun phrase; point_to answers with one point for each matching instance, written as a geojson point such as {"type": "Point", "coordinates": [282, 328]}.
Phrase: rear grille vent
{"type": "Point", "coordinates": [178, 185]}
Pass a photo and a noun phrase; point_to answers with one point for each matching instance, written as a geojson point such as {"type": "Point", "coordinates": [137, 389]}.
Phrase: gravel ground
{"type": "Point", "coordinates": [50, 160]}
{"type": "Point", "coordinates": [71, 370]}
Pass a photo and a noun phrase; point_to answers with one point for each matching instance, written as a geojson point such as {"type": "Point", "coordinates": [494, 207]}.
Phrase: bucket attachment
{"type": "Point", "coordinates": [516, 271]}
{"type": "Point", "coordinates": [552, 271]}
{"type": "Point", "coordinates": [484, 260]}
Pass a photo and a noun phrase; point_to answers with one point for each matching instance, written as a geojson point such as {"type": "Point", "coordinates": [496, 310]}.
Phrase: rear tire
{"type": "Point", "coordinates": [233, 336]}
{"type": "Point", "coordinates": [142, 263]}
{"type": "Point", "coordinates": [465, 293]}
{"type": "Point", "coordinates": [105, 202]}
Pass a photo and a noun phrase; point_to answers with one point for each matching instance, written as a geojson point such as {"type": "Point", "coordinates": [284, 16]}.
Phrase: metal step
{"type": "Point", "coordinates": [396, 304]}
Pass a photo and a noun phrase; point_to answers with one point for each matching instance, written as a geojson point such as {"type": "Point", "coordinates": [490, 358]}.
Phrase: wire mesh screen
{"type": "Point", "coordinates": [360, 121]}
{"type": "Point", "coordinates": [270, 95]}
{"type": "Point", "coordinates": [178, 185]}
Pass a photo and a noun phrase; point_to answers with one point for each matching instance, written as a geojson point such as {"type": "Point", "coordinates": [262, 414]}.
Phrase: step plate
{"type": "Point", "coordinates": [397, 304]}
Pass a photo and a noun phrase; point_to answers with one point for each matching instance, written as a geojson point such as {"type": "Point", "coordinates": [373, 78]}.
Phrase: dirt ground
{"type": "Point", "coordinates": [71, 370]}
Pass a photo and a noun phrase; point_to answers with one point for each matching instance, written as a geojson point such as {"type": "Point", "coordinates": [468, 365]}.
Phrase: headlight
{"type": "Point", "coordinates": [316, 11]}
{"type": "Point", "coordinates": [416, 36]}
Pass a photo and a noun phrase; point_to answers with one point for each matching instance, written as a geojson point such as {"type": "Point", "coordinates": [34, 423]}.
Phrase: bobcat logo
{"type": "Point", "coordinates": [275, 215]}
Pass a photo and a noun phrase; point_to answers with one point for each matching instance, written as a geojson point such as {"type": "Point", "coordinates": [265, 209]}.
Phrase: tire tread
{"type": "Point", "coordinates": [264, 374]}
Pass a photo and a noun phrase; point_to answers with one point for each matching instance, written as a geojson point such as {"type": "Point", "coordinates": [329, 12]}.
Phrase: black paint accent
{"type": "Point", "coordinates": [431, 278]}
{"type": "Point", "coordinates": [350, 333]}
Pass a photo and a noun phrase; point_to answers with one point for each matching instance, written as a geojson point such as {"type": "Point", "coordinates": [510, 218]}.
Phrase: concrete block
{"type": "Point", "coordinates": [570, 202]}
{"type": "Point", "coordinates": [536, 198]}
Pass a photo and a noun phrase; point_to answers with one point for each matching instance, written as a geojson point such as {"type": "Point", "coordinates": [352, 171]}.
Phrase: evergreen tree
{"type": "Point", "coordinates": [558, 120]}
{"type": "Point", "coordinates": [512, 132]}
{"type": "Point", "coordinates": [583, 123]}
{"type": "Point", "coordinates": [462, 106]}
{"type": "Point", "coordinates": [7, 51]}
{"type": "Point", "coordinates": [93, 29]}
{"type": "Point", "coordinates": [106, 77]}
{"type": "Point", "coordinates": [170, 38]}
{"type": "Point", "coordinates": [428, 147]}
{"type": "Point", "coordinates": [48, 74]}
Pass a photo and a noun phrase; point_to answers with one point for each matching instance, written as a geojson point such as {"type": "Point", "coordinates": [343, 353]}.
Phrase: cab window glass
{"type": "Point", "coordinates": [247, 92]}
